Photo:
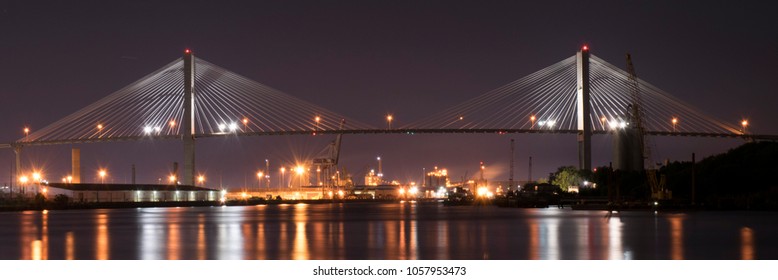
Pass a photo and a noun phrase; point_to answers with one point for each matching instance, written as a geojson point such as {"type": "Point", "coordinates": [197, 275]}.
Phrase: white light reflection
{"type": "Point", "coordinates": [228, 234]}
{"type": "Point", "coordinates": [615, 240]}
{"type": "Point", "coordinates": [300, 246]}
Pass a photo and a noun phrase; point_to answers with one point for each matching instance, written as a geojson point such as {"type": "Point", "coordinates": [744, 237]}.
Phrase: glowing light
{"type": "Point", "coordinates": [23, 179]}
{"type": "Point", "coordinates": [172, 178]}
{"type": "Point", "coordinates": [222, 127]}
{"type": "Point", "coordinates": [172, 123]}
{"type": "Point", "coordinates": [244, 195]}
{"type": "Point", "coordinates": [675, 120]}
{"type": "Point", "coordinates": [201, 178]}
{"type": "Point", "coordinates": [233, 127]}
{"type": "Point", "coordinates": [187, 51]}
{"type": "Point", "coordinates": [147, 129]}
{"type": "Point", "coordinates": [245, 121]}
{"type": "Point", "coordinates": [461, 118]}
{"type": "Point", "coordinates": [157, 129]}
{"type": "Point", "coordinates": [260, 174]}
{"type": "Point", "coordinates": [317, 119]}
{"type": "Point", "coordinates": [402, 191]}
{"type": "Point", "coordinates": [102, 174]}
{"type": "Point", "coordinates": [744, 123]}
{"type": "Point", "coordinates": [532, 118]}
{"type": "Point", "coordinates": [299, 170]}
{"type": "Point", "coordinates": [26, 130]}
{"type": "Point", "coordinates": [340, 193]}
{"type": "Point", "coordinates": [36, 176]}
{"type": "Point", "coordinates": [550, 123]}
{"type": "Point", "coordinates": [389, 119]}
{"type": "Point", "coordinates": [585, 48]}
{"type": "Point", "coordinates": [99, 126]}
{"type": "Point", "coordinates": [413, 190]}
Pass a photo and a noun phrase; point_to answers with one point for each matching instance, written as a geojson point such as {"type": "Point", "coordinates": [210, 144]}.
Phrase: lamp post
{"type": "Point", "coordinates": [102, 174]}
{"type": "Point", "coordinates": [389, 119]}
{"type": "Point", "coordinates": [603, 119]}
{"type": "Point", "coordinates": [744, 123]}
{"type": "Point", "coordinates": [532, 121]}
{"type": "Point", "coordinates": [260, 175]}
{"type": "Point", "coordinates": [283, 170]}
{"type": "Point", "coordinates": [201, 180]}
{"type": "Point", "coordinates": [100, 130]}
{"type": "Point", "coordinates": [675, 124]}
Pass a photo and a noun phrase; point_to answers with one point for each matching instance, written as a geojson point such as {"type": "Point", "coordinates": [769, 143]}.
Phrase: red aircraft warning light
{"type": "Point", "coordinates": [187, 51]}
{"type": "Point", "coordinates": [585, 48]}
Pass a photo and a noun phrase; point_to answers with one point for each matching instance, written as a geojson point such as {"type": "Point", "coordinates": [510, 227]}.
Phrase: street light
{"type": "Point", "coordinates": [744, 123]}
{"type": "Point", "coordinates": [172, 123]}
{"type": "Point", "coordinates": [172, 178]}
{"type": "Point", "coordinates": [389, 119]}
{"type": "Point", "coordinates": [102, 174]}
{"type": "Point", "coordinates": [532, 120]}
{"type": "Point", "coordinates": [318, 120]}
{"type": "Point", "coordinates": [201, 179]}
{"type": "Point", "coordinates": [260, 175]}
{"type": "Point", "coordinates": [300, 170]}
{"type": "Point", "coordinates": [69, 179]}
{"type": "Point", "coordinates": [283, 170]}
{"type": "Point", "coordinates": [602, 122]}
{"type": "Point", "coordinates": [675, 124]}
{"type": "Point", "coordinates": [100, 130]}
{"type": "Point", "coordinates": [26, 132]}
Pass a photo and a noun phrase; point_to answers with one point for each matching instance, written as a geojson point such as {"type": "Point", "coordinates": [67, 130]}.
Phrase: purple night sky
{"type": "Point", "coordinates": [364, 59]}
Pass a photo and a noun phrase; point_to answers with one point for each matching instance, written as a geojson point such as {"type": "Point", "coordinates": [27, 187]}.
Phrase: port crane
{"type": "Point", "coordinates": [658, 190]}
{"type": "Point", "coordinates": [328, 165]}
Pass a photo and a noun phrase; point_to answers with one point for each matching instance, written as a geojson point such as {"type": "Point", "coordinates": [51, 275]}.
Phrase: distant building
{"type": "Point", "coordinates": [129, 193]}
{"type": "Point", "coordinates": [373, 179]}
{"type": "Point", "coordinates": [437, 178]}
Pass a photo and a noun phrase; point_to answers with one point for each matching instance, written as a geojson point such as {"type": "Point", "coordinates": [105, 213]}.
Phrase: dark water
{"type": "Point", "coordinates": [384, 231]}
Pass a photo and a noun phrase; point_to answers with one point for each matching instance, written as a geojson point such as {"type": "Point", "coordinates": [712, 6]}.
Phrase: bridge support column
{"type": "Point", "coordinates": [17, 166]}
{"type": "Point", "coordinates": [188, 120]}
{"type": "Point", "coordinates": [584, 110]}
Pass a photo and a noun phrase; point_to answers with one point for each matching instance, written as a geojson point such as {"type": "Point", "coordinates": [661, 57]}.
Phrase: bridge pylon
{"type": "Point", "coordinates": [188, 120]}
{"type": "Point", "coordinates": [583, 109]}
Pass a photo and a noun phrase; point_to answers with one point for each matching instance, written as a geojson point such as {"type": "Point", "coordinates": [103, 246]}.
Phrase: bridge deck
{"type": "Point", "coordinates": [384, 131]}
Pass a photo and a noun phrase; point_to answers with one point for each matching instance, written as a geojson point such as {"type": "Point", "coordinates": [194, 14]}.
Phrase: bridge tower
{"type": "Point", "coordinates": [583, 109]}
{"type": "Point", "coordinates": [188, 120]}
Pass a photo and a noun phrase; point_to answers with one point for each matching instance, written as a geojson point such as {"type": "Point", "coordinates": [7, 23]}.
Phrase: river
{"type": "Point", "coordinates": [391, 231]}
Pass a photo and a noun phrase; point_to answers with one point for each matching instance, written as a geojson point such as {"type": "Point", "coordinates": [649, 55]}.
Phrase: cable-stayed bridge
{"type": "Point", "coordinates": [191, 98]}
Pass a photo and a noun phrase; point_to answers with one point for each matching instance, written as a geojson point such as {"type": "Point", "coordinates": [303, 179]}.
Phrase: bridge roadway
{"type": "Point", "coordinates": [381, 131]}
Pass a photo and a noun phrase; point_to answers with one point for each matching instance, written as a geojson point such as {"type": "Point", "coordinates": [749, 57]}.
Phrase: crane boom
{"type": "Point", "coordinates": [658, 190]}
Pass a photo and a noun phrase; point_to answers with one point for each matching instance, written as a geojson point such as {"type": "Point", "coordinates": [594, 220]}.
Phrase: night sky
{"type": "Point", "coordinates": [364, 59]}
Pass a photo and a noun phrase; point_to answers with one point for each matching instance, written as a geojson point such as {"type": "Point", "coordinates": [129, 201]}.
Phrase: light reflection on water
{"type": "Point", "coordinates": [383, 231]}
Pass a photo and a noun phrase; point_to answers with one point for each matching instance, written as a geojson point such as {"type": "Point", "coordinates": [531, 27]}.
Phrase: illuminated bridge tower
{"type": "Point", "coordinates": [188, 120]}
{"type": "Point", "coordinates": [583, 110]}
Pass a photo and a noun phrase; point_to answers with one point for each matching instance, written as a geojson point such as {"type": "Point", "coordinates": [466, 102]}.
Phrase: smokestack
{"type": "Point", "coordinates": [75, 155]}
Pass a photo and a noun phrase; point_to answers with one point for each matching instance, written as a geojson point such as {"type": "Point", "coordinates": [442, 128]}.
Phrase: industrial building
{"type": "Point", "coordinates": [129, 192]}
